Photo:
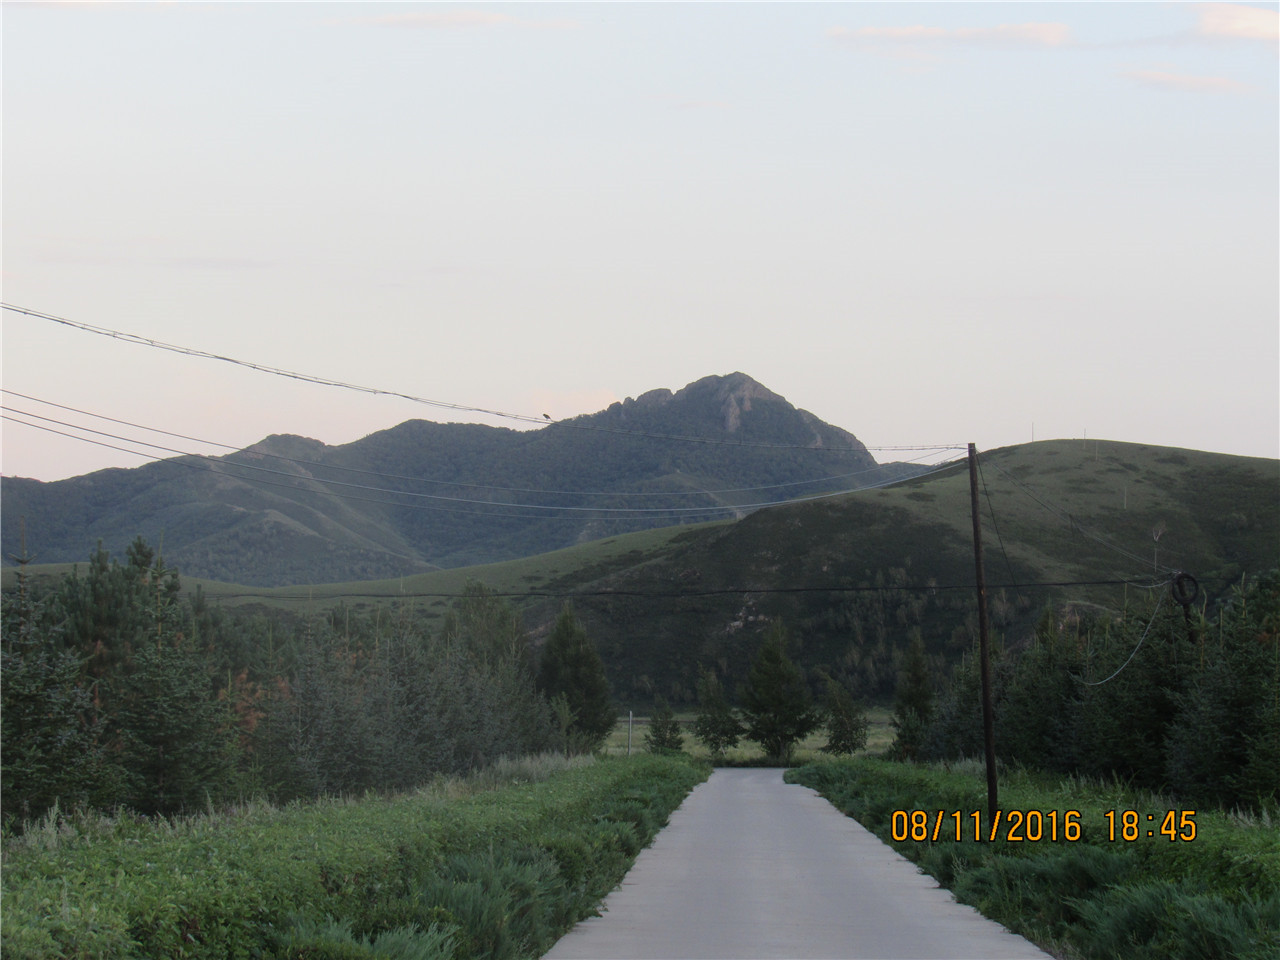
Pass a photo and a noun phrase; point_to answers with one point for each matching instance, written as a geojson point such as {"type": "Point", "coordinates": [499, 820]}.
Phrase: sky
{"type": "Point", "coordinates": [924, 223]}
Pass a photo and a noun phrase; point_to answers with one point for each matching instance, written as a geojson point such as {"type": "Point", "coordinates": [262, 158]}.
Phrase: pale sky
{"type": "Point", "coordinates": [924, 223]}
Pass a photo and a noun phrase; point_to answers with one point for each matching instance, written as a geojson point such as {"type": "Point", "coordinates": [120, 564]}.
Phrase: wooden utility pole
{"type": "Point", "coordinates": [984, 654]}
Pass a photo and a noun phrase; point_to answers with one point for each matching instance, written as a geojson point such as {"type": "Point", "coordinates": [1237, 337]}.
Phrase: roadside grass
{"type": "Point", "coordinates": [747, 753]}
{"type": "Point", "coordinates": [1213, 897]}
{"type": "Point", "coordinates": [499, 865]}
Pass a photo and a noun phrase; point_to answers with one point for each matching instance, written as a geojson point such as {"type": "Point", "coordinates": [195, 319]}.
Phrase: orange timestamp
{"type": "Point", "coordinates": [1035, 826]}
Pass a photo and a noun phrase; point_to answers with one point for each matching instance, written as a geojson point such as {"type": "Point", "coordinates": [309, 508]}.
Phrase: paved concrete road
{"type": "Point", "coordinates": [750, 867]}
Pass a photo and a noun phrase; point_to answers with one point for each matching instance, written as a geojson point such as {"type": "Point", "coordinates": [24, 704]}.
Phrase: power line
{"type": "Point", "coordinates": [622, 513]}
{"type": "Point", "coordinates": [126, 423]}
{"type": "Point", "coordinates": [658, 594]}
{"type": "Point", "coordinates": [534, 594]}
{"type": "Point", "coordinates": [179, 462]}
{"type": "Point", "coordinates": [1150, 623]}
{"type": "Point", "coordinates": [443, 404]}
{"type": "Point", "coordinates": [992, 510]}
{"type": "Point", "coordinates": [455, 483]}
{"type": "Point", "coordinates": [261, 368]}
{"type": "Point", "coordinates": [342, 483]}
{"type": "Point", "coordinates": [1069, 519]}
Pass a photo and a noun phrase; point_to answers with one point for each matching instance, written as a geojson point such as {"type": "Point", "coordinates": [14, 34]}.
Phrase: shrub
{"type": "Point", "coordinates": [664, 729]}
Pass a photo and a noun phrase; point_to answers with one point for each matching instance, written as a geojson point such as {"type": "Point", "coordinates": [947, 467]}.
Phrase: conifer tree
{"type": "Point", "coordinates": [913, 702]}
{"type": "Point", "coordinates": [177, 739]}
{"type": "Point", "coordinates": [134, 699]}
{"type": "Point", "coordinates": [571, 667]}
{"type": "Point", "coordinates": [664, 729]}
{"type": "Point", "coordinates": [174, 736]}
{"type": "Point", "coordinates": [778, 709]}
{"type": "Point", "coordinates": [51, 752]}
{"type": "Point", "coordinates": [716, 726]}
{"type": "Point", "coordinates": [846, 720]}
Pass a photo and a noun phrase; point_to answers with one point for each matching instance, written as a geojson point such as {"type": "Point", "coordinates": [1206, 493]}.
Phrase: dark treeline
{"type": "Point", "coordinates": [860, 637]}
{"type": "Point", "coordinates": [118, 690]}
{"type": "Point", "coordinates": [1185, 705]}
{"type": "Point", "coordinates": [121, 690]}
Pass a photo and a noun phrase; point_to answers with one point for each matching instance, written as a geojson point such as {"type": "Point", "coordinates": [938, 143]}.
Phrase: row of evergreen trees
{"type": "Point", "coordinates": [117, 690]}
{"type": "Point", "coordinates": [1164, 699]}
{"type": "Point", "coordinates": [777, 712]}
{"type": "Point", "coordinates": [107, 696]}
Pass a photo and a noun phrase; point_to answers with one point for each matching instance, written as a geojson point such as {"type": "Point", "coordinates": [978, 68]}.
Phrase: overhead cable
{"type": "Point", "coordinates": [443, 404]}
{"type": "Point", "coordinates": [534, 594]}
{"type": "Point", "coordinates": [181, 462]}
{"type": "Point", "coordinates": [609, 512]}
{"type": "Point", "coordinates": [992, 510]}
{"type": "Point", "coordinates": [1159, 601]}
{"type": "Point", "coordinates": [1068, 518]}
{"type": "Point", "coordinates": [456, 483]}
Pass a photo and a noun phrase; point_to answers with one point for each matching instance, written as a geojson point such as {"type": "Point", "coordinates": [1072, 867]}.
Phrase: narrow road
{"type": "Point", "coordinates": [750, 867]}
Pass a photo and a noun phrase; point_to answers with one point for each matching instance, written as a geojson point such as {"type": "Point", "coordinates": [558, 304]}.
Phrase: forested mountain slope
{"type": "Point", "coordinates": [422, 495]}
{"type": "Point", "coordinates": [1069, 526]}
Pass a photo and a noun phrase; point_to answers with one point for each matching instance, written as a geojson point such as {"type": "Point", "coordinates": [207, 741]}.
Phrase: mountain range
{"type": "Point", "coordinates": [424, 495]}
{"type": "Point", "coordinates": [1073, 529]}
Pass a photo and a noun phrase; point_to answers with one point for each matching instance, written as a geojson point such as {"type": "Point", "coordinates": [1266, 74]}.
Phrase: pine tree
{"type": "Point", "coordinates": [778, 709]}
{"type": "Point", "coordinates": [178, 741]}
{"type": "Point", "coordinates": [846, 720]}
{"type": "Point", "coordinates": [717, 727]}
{"type": "Point", "coordinates": [664, 729]}
{"type": "Point", "coordinates": [51, 752]}
{"type": "Point", "coordinates": [176, 738]}
{"type": "Point", "coordinates": [1223, 746]}
{"type": "Point", "coordinates": [570, 666]}
{"type": "Point", "coordinates": [913, 702]}
{"type": "Point", "coordinates": [106, 701]}
{"type": "Point", "coordinates": [487, 627]}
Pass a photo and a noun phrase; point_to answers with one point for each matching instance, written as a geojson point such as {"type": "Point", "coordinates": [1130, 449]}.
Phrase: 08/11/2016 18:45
{"type": "Point", "coordinates": [1034, 826]}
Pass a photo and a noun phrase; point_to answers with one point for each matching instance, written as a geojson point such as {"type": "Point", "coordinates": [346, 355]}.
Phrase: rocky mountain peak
{"type": "Point", "coordinates": [732, 393]}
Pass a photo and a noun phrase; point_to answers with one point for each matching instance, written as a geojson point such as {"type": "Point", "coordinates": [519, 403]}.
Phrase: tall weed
{"type": "Point", "coordinates": [334, 940]}
{"type": "Point", "coordinates": [1217, 896]}
{"type": "Point", "coordinates": [497, 870]}
{"type": "Point", "coordinates": [1162, 919]}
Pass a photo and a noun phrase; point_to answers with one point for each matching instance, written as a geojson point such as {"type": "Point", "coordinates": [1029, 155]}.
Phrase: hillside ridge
{"type": "Point", "coordinates": [421, 494]}
{"type": "Point", "coordinates": [855, 577]}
